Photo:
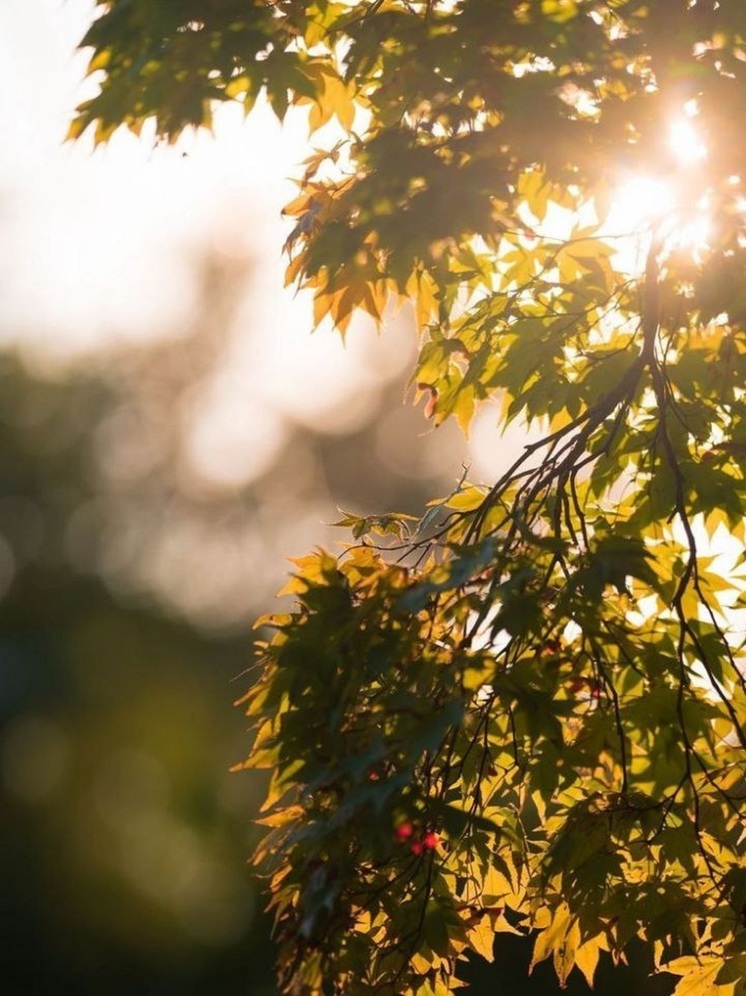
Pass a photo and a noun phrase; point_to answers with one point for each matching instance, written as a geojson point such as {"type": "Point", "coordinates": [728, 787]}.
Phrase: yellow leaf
{"type": "Point", "coordinates": [501, 924]}
{"type": "Point", "coordinates": [551, 936]}
{"type": "Point", "coordinates": [77, 126]}
{"type": "Point", "coordinates": [586, 957]}
{"type": "Point", "coordinates": [333, 97]}
{"type": "Point", "coordinates": [564, 954]}
{"type": "Point", "coordinates": [282, 818]}
{"type": "Point", "coordinates": [238, 86]}
{"type": "Point", "coordinates": [314, 568]}
{"type": "Point", "coordinates": [495, 886]}
{"type": "Point", "coordinates": [340, 99]}
{"type": "Point", "coordinates": [275, 619]}
{"type": "Point", "coordinates": [561, 939]}
{"type": "Point", "coordinates": [420, 964]}
{"type": "Point", "coordinates": [535, 190]}
{"type": "Point", "coordinates": [467, 499]}
{"type": "Point", "coordinates": [698, 977]}
{"type": "Point", "coordinates": [423, 290]}
{"type": "Point", "coordinates": [99, 61]}
{"type": "Point", "coordinates": [482, 938]}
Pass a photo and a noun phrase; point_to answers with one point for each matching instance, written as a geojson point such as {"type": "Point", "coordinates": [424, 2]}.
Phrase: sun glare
{"type": "Point", "coordinates": [645, 199]}
{"type": "Point", "coordinates": [686, 143]}
{"type": "Point", "coordinates": [661, 204]}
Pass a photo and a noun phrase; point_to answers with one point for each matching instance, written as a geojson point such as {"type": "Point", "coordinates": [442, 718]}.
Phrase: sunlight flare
{"type": "Point", "coordinates": [686, 143]}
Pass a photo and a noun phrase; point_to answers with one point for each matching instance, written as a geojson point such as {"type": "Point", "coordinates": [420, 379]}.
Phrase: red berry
{"type": "Point", "coordinates": [430, 841]}
{"type": "Point", "coordinates": [417, 847]}
{"type": "Point", "coordinates": [404, 831]}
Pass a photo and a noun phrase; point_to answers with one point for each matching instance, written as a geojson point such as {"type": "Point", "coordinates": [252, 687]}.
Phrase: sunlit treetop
{"type": "Point", "coordinates": [441, 108]}
{"type": "Point", "coordinates": [525, 711]}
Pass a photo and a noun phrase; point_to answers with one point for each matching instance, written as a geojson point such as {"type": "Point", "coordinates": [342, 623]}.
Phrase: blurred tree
{"type": "Point", "coordinates": [116, 833]}
{"type": "Point", "coordinates": [525, 710]}
{"type": "Point", "coordinates": [124, 833]}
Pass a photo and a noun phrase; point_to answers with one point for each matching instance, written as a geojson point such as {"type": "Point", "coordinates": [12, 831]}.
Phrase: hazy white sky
{"type": "Point", "coordinates": [107, 234]}
{"type": "Point", "coordinates": [96, 246]}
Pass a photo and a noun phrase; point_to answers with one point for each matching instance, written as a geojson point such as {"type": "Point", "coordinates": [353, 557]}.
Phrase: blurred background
{"type": "Point", "coordinates": [170, 433]}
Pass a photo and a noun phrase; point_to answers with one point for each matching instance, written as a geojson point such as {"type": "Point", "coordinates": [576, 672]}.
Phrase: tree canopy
{"type": "Point", "coordinates": [525, 711]}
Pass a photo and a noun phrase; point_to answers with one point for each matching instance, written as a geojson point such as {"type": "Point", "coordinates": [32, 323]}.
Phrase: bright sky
{"type": "Point", "coordinates": [83, 221]}
{"type": "Point", "coordinates": [100, 245]}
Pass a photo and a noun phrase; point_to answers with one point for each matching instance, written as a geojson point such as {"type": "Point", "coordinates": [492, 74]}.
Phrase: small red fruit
{"type": "Point", "coordinates": [404, 831]}
{"type": "Point", "coordinates": [430, 841]}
